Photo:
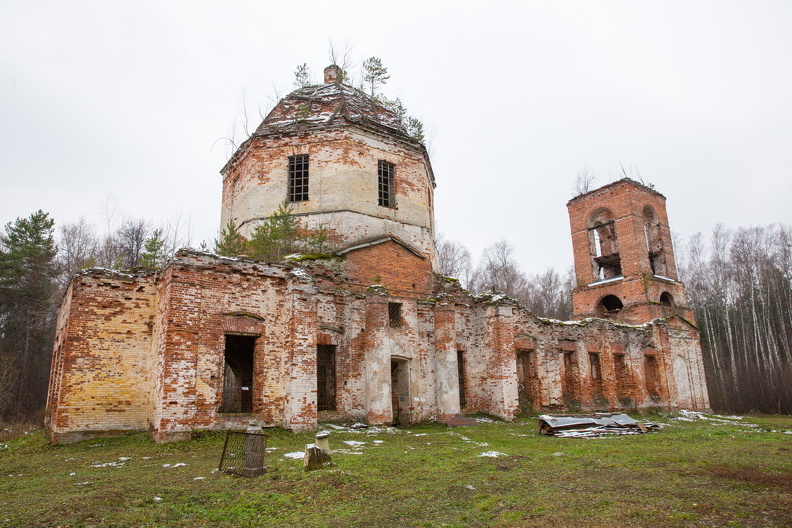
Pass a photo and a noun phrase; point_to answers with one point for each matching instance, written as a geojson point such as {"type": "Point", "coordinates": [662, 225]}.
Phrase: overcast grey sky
{"type": "Point", "coordinates": [127, 100]}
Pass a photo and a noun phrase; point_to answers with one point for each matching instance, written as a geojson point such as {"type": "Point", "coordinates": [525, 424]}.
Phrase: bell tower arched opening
{"type": "Point", "coordinates": [654, 242]}
{"type": "Point", "coordinates": [609, 305]}
{"type": "Point", "coordinates": [604, 246]}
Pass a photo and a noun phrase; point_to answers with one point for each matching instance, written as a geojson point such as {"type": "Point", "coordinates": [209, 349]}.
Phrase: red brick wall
{"type": "Point", "coordinates": [639, 289]}
{"type": "Point", "coordinates": [392, 266]}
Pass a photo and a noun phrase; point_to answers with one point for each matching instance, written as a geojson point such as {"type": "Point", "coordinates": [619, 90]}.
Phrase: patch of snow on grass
{"type": "Point", "coordinates": [354, 443]}
{"type": "Point", "coordinates": [295, 454]}
{"type": "Point", "coordinates": [107, 464]}
{"type": "Point", "coordinates": [492, 454]}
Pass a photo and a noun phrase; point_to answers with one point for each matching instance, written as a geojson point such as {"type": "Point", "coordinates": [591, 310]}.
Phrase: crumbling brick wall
{"type": "Point", "coordinates": [138, 352]}
{"type": "Point", "coordinates": [102, 366]}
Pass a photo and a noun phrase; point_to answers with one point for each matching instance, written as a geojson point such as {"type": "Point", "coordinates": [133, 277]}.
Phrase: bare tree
{"type": "Point", "coordinates": [77, 246]}
{"type": "Point", "coordinates": [453, 259]}
{"type": "Point", "coordinates": [130, 238]}
{"type": "Point", "coordinates": [584, 181]}
{"type": "Point", "coordinates": [549, 294]}
{"type": "Point", "coordinates": [177, 233]}
{"type": "Point", "coordinates": [499, 271]}
{"type": "Point", "coordinates": [341, 56]}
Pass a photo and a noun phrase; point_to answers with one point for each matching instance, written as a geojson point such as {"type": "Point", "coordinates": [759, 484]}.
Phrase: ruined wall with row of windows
{"type": "Point", "coordinates": [214, 342]}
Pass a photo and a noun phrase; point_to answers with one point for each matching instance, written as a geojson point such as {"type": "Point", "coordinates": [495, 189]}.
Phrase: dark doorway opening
{"type": "Point", "coordinates": [326, 377]}
{"type": "Point", "coordinates": [527, 380]}
{"type": "Point", "coordinates": [569, 382]}
{"type": "Point", "coordinates": [461, 374]}
{"type": "Point", "coordinates": [400, 391]}
{"type": "Point", "coordinates": [238, 374]}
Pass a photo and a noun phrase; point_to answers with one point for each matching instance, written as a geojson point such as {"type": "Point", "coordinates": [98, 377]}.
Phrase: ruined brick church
{"type": "Point", "coordinates": [373, 333]}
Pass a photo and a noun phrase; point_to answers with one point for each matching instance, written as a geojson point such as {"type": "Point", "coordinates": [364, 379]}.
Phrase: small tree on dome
{"type": "Point", "coordinates": [374, 73]}
{"type": "Point", "coordinates": [302, 76]}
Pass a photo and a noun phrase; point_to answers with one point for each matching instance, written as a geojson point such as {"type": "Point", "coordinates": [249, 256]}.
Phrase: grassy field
{"type": "Point", "coordinates": [699, 473]}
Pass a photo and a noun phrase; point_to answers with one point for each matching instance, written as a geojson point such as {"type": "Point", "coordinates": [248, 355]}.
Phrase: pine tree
{"type": "Point", "coordinates": [231, 243]}
{"type": "Point", "coordinates": [302, 76]}
{"type": "Point", "coordinates": [374, 73]}
{"type": "Point", "coordinates": [415, 129]}
{"type": "Point", "coordinates": [27, 285]}
{"type": "Point", "coordinates": [153, 255]}
{"type": "Point", "coordinates": [276, 236]}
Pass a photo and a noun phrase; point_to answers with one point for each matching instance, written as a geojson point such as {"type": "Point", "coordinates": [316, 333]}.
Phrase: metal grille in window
{"type": "Point", "coordinates": [298, 178]}
{"type": "Point", "coordinates": [395, 314]}
{"type": "Point", "coordinates": [386, 173]}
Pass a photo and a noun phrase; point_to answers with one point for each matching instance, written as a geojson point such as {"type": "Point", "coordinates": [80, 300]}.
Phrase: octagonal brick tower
{"type": "Point", "coordinates": [340, 159]}
{"type": "Point", "coordinates": [624, 259]}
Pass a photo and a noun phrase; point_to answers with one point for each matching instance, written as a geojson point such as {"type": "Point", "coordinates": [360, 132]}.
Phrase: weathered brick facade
{"type": "Point", "coordinates": [371, 334]}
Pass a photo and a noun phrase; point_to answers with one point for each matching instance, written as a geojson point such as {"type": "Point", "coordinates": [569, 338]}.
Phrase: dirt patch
{"type": "Point", "coordinates": [755, 476]}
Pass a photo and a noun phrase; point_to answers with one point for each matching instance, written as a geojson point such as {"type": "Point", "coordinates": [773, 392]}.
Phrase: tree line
{"type": "Point", "coordinates": [36, 265]}
{"type": "Point", "coordinates": [739, 284]}
{"type": "Point", "coordinates": [547, 294]}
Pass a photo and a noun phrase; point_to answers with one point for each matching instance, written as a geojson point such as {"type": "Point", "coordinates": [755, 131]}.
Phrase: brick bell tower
{"type": "Point", "coordinates": [624, 259]}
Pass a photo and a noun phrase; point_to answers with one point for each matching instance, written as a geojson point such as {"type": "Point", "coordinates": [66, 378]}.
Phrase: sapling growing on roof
{"type": "Point", "coordinates": [374, 73]}
{"type": "Point", "coordinates": [302, 76]}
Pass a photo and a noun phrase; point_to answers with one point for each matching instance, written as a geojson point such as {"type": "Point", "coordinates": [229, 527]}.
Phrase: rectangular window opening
{"type": "Point", "coordinates": [298, 178]}
{"type": "Point", "coordinates": [326, 377]}
{"type": "Point", "coordinates": [395, 315]}
{"type": "Point", "coordinates": [238, 374]}
{"type": "Point", "coordinates": [594, 362]}
{"type": "Point", "coordinates": [622, 374]}
{"type": "Point", "coordinates": [461, 371]}
{"type": "Point", "coordinates": [652, 373]}
{"type": "Point", "coordinates": [386, 173]}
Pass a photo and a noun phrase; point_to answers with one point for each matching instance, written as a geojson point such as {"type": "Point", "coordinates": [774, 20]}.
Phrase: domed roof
{"type": "Point", "coordinates": [328, 105]}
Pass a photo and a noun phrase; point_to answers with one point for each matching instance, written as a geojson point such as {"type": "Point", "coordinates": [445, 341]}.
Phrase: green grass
{"type": "Point", "coordinates": [689, 474]}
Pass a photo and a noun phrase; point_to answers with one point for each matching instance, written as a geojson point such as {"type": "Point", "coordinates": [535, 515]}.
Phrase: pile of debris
{"type": "Point", "coordinates": [599, 424]}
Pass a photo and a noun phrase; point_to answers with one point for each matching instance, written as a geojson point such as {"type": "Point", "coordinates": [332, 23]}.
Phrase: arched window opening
{"type": "Point", "coordinates": [667, 299]}
{"type": "Point", "coordinates": [654, 242]}
{"type": "Point", "coordinates": [609, 305]}
{"type": "Point", "coordinates": [604, 247]}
